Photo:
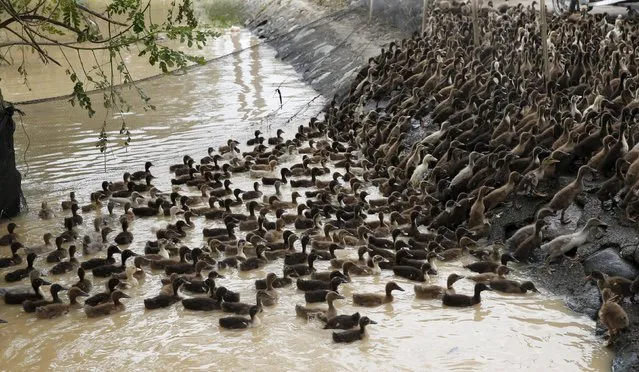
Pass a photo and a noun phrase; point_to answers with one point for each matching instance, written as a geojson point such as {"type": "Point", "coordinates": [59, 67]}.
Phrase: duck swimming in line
{"type": "Point", "coordinates": [460, 300]}
{"type": "Point", "coordinates": [66, 266]}
{"type": "Point", "coordinates": [30, 306]}
{"type": "Point", "coordinates": [342, 321]}
{"type": "Point", "coordinates": [319, 295]}
{"type": "Point", "coordinates": [210, 303]}
{"type": "Point", "coordinates": [239, 308]}
{"type": "Point", "coordinates": [46, 213]}
{"type": "Point", "coordinates": [55, 310]}
{"type": "Point", "coordinates": [15, 258]}
{"type": "Point", "coordinates": [103, 297]}
{"type": "Point", "coordinates": [164, 300]}
{"type": "Point", "coordinates": [105, 271]}
{"type": "Point", "coordinates": [487, 277]}
{"type": "Point", "coordinates": [353, 335]}
{"type": "Point", "coordinates": [83, 282]}
{"type": "Point", "coordinates": [512, 286]}
{"type": "Point", "coordinates": [312, 312]}
{"type": "Point", "coordinates": [96, 262]}
{"type": "Point", "coordinates": [490, 266]}
{"type": "Point", "coordinates": [20, 274]}
{"type": "Point", "coordinates": [106, 308]}
{"type": "Point", "coordinates": [238, 322]}
{"type": "Point", "coordinates": [374, 299]}
{"type": "Point", "coordinates": [11, 237]}
{"type": "Point", "coordinates": [435, 291]}
{"type": "Point", "coordinates": [17, 298]}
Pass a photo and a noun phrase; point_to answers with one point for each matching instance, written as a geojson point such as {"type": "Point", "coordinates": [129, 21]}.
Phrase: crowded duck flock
{"type": "Point", "coordinates": [408, 170]}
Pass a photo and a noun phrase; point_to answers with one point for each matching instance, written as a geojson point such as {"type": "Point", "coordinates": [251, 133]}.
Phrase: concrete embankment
{"type": "Point", "coordinates": [327, 46]}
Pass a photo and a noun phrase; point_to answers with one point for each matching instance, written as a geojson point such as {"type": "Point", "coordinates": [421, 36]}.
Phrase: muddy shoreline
{"type": "Point", "coordinates": [328, 46]}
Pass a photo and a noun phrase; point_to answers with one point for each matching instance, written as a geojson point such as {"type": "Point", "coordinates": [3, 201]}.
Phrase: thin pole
{"type": "Point", "coordinates": [424, 16]}
{"type": "Point", "coordinates": [543, 28]}
{"type": "Point", "coordinates": [370, 10]}
{"type": "Point", "coordinates": [475, 24]}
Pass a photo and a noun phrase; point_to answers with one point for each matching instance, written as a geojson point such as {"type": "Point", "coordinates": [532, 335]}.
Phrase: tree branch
{"type": "Point", "coordinates": [83, 8]}
{"type": "Point", "coordinates": [29, 17]}
{"type": "Point", "coordinates": [34, 45]}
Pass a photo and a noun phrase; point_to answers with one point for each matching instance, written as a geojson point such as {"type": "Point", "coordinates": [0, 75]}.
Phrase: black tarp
{"type": "Point", "coordinates": [10, 178]}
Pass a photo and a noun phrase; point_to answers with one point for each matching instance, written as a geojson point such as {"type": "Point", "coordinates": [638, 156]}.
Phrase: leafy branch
{"type": "Point", "coordinates": [41, 24]}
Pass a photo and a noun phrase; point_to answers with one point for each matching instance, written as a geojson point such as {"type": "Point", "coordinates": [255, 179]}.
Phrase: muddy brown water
{"type": "Point", "coordinates": [200, 109]}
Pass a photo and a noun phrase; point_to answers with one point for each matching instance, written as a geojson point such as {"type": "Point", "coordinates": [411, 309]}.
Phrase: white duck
{"type": "Point", "coordinates": [565, 243]}
{"type": "Point", "coordinates": [421, 169]}
{"type": "Point", "coordinates": [130, 280]}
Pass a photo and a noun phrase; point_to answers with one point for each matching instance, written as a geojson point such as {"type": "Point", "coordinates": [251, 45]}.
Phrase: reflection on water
{"type": "Point", "coordinates": [203, 108]}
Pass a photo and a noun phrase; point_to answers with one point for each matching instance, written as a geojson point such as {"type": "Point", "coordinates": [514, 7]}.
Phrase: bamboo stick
{"type": "Point", "coordinates": [424, 16]}
{"type": "Point", "coordinates": [475, 16]}
{"type": "Point", "coordinates": [543, 28]}
{"type": "Point", "coordinates": [370, 10]}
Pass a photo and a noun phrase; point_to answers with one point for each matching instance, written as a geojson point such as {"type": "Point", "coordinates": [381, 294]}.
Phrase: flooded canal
{"type": "Point", "coordinates": [231, 99]}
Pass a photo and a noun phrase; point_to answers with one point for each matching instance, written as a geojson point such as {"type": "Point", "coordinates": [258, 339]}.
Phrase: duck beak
{"type": "Point", "coordinates": [83, 294]}
{"type": "Point", "coordinates": [372, 322]}
{"type": "Point", "coordinates": [3, 321]}
{"type": "Point", "coordinates": [340, 297]}
{"type": "Point", "coordinates": [64, 289]}
{"type": "Point", "coordinates": [124, 295]}
{"type": "Point", "coordinates": [440, 257]}
{"type": "Point", "coordinates": [44, 282]}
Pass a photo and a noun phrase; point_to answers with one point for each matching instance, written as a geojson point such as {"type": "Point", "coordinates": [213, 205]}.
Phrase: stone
{"type": "Point", "coordinates": [609, 261]}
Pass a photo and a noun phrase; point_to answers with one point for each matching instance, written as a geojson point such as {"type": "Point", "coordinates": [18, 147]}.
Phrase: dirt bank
{"type": "Point", "coordinates": [328, 46]}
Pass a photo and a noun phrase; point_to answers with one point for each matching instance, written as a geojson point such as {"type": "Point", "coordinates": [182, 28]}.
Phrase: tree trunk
{"type": "Point", "coordinates": [10, 178]}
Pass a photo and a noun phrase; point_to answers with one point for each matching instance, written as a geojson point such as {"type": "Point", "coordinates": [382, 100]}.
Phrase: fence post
{"type": "Point", "coordinates": [370, 10]}
{"type": "Point", "coordinates": [544, 38]}
{"type": "Point", "coordinates": [424, 16]}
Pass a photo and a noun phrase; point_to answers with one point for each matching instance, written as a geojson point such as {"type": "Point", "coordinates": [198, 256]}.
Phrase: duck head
{"type": "Point", "coordinates": [391, 286]}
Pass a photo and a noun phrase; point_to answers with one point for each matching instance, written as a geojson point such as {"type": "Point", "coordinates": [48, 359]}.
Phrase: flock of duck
{"type": "Point", "coordinates": [494, 128]}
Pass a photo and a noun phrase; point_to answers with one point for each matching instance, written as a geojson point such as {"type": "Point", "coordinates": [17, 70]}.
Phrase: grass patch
{"type": "Point", "coordinates": [223, 13]}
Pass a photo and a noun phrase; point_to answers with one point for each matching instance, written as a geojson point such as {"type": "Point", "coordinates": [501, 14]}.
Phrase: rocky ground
{"type": "Point", "coordinates": [328, 45]}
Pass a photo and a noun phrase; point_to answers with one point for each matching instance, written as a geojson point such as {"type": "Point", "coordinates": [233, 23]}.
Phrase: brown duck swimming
{"type": "Point", "coordinates": [459, 300]}
{"type": "Point", "coordinates": [374, 299]}
{"type": "Point", "coordinates": [435, 291]}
